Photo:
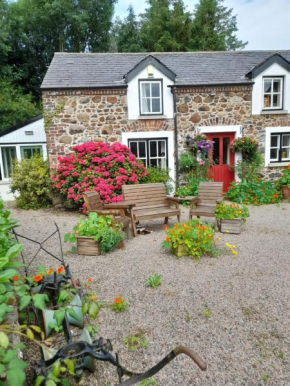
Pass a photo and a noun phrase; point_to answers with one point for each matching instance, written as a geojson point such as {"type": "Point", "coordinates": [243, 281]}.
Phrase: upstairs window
{"type": "Point", "coordinates": [273, 93]}
{"type": "Point", "coordinates": [150, 97]}
{"type": "Point", "coordinates": [280, 147]}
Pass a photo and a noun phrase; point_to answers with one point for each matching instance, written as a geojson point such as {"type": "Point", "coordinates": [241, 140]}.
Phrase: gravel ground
{"type": "Point", "coordinates": [245, 341]}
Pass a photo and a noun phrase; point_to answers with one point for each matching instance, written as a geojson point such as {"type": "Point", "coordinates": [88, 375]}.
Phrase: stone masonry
{"type": "Point", "coordinates": [90, 115]}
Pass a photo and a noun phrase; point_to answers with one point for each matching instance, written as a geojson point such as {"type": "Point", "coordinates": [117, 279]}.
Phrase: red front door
{"type": "Point", "coordinates": [222, 158]}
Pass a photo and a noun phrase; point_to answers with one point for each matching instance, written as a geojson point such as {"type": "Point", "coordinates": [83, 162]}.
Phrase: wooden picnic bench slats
{"type": "Point", "coordinates": [151, 201]}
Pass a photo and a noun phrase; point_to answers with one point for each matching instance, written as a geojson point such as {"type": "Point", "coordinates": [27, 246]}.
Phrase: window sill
{"type": "Point", "coordinates": [273, 112]}
{"type": "Point", "coordinates": [152, 117]}
{"type": "Point", "coordinates": [277, 164]}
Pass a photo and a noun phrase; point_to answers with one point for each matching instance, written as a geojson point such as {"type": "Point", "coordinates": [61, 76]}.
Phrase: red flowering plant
{"type": "Point", "coordinates": [99, 167]}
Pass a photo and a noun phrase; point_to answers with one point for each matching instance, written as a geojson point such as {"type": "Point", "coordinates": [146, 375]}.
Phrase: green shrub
{"type": "Point", "coordinates": [255, 191]}
{"type": "Point", "coordinates": [31, 180]}
{"type": "Point", "coordinates": [157, 175]}
{"type": "Point", "coordinates": [285, 178]}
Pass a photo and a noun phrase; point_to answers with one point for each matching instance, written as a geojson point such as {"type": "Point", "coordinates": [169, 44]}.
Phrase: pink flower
{"type": "Point", "coordinates": [201, 163]}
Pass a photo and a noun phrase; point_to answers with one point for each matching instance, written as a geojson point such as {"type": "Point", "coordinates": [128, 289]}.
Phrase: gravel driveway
{"type": "Point", "coordinates": [234, 312]}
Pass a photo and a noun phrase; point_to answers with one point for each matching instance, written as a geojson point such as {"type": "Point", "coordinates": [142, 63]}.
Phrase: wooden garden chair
{"type": "Point", "coordinates": [209, 194]}
{"type": "Point", "coordinates": [151, 201]}
{"type": "Point", "coordinates": [122, 212]}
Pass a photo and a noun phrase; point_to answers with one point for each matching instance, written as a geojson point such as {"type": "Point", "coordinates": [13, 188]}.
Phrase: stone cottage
{"type": "Point", "coordinates": [151, 102]}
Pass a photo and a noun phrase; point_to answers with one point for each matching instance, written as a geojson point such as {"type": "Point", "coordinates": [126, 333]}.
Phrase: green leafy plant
{"type": "Point", "coordinates": [255, 191]}
{"type": "Point", "coordinates": [285, 178]}
{"type": "Point", "coordinates": [248, 146]}
{"type": "Point", "coordinates": [157, 175]}
{"type": "Point", "coordinates": [134, 342]}
{"type": "Point", "coordinates": [119, 305]}
{"type": "Point", "coordinates": [207, 313]}
{"type": "Point", "coordinates": [154, 281]}
{"type": "Point", "coordinates": [31, 180]}
{"type": "Point", "coordinates": [225, 211]}
{"type": "Point", "coordinates": [196, 236]}
{"type": "Point", "coordinates": [148, 382]}
{"type": "Point", "coordinates": [102, 229]}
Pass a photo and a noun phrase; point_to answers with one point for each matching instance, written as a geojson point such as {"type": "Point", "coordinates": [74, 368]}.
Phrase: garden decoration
{"type": "Point", "coordinates": [248, 146]}
{"type": "Point", "coordinates": [230, 217]}
{"type": "Point", "coordinates": [70, 309]}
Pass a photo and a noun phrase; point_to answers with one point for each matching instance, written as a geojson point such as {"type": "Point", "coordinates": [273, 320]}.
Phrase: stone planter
{"type": "Point", "coordinates": [286, 192]}
{"type": "Point", "coordinates": [87, 246]}
{"type": "Point", "coordinates": [231, 226]}
{"type": "Point", "coordinates": [180, 250]}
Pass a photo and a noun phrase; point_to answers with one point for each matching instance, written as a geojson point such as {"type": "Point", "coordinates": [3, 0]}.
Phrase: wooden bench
{"type": "Point", "coordinates": [121, 211]}
{"type": "Point", "coordinates": [209, 194]}
{"type": "Point", "coordinates": [151, 201]}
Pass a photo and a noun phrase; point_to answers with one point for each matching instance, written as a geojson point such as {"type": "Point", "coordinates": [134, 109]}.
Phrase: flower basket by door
{"type": "Point", "coordinates": [286, 192]}
{"type": "Point", "coordinates": [231, 226]}
{"type": "Point", "coordinates": [180, 250]}
{"type": "Point", "coordinates": [88, 246]}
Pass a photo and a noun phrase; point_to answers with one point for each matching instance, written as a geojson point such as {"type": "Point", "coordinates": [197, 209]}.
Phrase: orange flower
{"type": "Point", "coordinates": [37, 278]}
{"type": "Point", "coordinates": [275, 195]}
{"type": "Point", "coordinates": [49, 271]}
{"type": "Point", "coordinates": [167, 239]}
{"type": "Point", "coordinates": [60, 269]}
{"type": "Point", "coordinates": [172, 232]}
{"type": "Point", "coordinates": [90, 280]}
{"type": "Point", "coordinates": [289, 166]}
{"type": "Point", "coordinates": [176, 227]}
{"type": "Point", "coordinates": [118, 300]}
{"type": "Point", "coordinates": [15, 278]}
{"type": "Point", "coordinates": [166, 227]}
{"type": "Point", "coordinates": [94, 297]}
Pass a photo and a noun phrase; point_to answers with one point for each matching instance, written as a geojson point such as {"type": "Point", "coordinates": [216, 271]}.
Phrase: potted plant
{"type": "Point", "coordinates": [230, 217]}
{"type": "Point", "coordinates": [248, 146]}
{"type": "Point", "coordinates": [95, 234]}
{"type": "Point", "coordinates": [284, 182]}
{"type": "Point", "coordinates": [193, 238]}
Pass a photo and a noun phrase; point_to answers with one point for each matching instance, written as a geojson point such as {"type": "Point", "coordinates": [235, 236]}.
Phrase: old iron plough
{"type": "Point", "coordinates": [80, 347]}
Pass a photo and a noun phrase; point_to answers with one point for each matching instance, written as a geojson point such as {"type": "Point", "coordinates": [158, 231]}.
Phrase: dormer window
{"type": "Point", "coordinates": [150, 97]}
{"type": "Point", "coordinates": [273, 93]}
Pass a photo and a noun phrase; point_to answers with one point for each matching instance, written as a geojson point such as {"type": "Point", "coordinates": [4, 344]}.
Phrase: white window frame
{"type": "Point", "coordinates": [158, 157]}
{"type": "Point", "coordinates": [150, 82]}
{"type": "Point", "coordinates": [271, 93]}
{"type": "Point", "coordinates": [275, 147]}
{"type": "Point", "coordinates": [269, 131]}
{"type": "Point", "coordinates": [284, 147]}
{"type": "Point", "coordinates": [138, 153]}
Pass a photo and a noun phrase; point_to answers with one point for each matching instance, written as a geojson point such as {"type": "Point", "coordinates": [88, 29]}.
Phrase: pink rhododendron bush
{"type": "Point", "coordinates": [99, 167]}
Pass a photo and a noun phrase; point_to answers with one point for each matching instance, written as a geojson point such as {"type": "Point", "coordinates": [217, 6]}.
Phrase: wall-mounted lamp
{"type": "Point", "coordinates": [150, 71]}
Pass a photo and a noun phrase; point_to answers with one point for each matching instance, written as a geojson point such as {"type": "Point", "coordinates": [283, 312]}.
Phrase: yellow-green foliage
{"type": "Point", "coordinates": [31, 181]}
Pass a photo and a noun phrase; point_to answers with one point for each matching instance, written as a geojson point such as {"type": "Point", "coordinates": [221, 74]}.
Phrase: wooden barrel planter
{"type": "Point", "coordinates": [286, 192]}
{"type": "Point", "coordinates": [231, 226]}
{"type": "Point", "coordinates": [87, 246]}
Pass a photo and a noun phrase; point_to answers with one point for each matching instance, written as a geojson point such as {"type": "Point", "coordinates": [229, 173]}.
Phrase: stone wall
{"type": "Point", "coordinates": [90, 115]}
{"type": "Point", "coordinates": [224, 106]}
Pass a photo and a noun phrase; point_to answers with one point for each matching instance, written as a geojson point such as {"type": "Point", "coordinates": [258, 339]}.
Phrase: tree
{"type": "Point", "coordinates": [166, 26]}
{"type": "Point", "coordinates": [129, 38]}
{"type": "Point", "coordinates": [15, 106]}
{"type": "Point", "coordinates": [4, 34]}
{"type": "Point", "coordinates": [215, 27]}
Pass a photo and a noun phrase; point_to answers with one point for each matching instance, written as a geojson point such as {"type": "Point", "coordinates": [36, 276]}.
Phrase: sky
{"type": "Point", "coordinates": [264, 24]}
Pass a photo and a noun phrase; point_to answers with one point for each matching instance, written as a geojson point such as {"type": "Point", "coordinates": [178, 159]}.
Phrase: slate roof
{"type": "Point", "coordinates": [73, 70]}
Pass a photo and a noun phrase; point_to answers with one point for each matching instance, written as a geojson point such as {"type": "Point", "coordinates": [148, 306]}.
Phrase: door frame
{"type": "Point", "coordinates": [237, 129]}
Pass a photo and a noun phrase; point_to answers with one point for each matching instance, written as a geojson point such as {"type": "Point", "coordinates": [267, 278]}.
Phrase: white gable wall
{"type": "Point", "coordinates": [19, 136]}
{"type": "Point", "coordinates": [257, 95]}
{"type": "Point", "coordinates": [133, 95]}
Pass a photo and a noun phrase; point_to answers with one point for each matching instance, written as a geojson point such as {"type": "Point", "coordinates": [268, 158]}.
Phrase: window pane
{"type": "Point", "coordinates": [156, 106]}
{"type": "Point", "coordinates": [285, 140]}
{"type": "Point", "coordinates": [145, 89]}
{"type": "Point", "coordinates": [267, 86]}
{"type": "Point", "coordinates": [274, 141]}
{"type": "Point", "coordinates": [30, 151]}
{"type": "Point", "coordinates": [277, 86]}
{"type": "Point", "coordinates": [8, 155]}
{"type": "Point", "coordinates": [142, 149]}
{"type": "Point", "coordinates": [274, 154]}
{"type": "Point", "coordinates": [153, 149]}
{"type": "Point", "coordinates": [145, 105]}
{"type": "Point", "coordinates": [156, 89]}
{"type": "Point", "coordinates": [285, 154]}
{"type": "Point", "coordinates": [161, 149]}
{"type": "Point", "coordinates": [267, 100]}
{"type": "Point", "coordinates": [153, 162]}
{"type": "Point", "coordinates": [276, 100]}
{"type": "Point", "coordinates": [133, 147]}
{"type": "Point", "coordinates": [226, 150]}
{"type": "Point", "coordinates": [216, 151]}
